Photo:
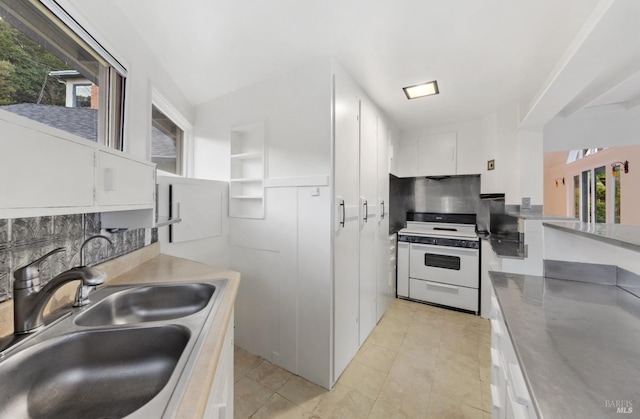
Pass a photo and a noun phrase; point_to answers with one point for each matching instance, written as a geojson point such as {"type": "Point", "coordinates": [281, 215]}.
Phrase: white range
{"type": "Point", "coordinates": [439, 260]}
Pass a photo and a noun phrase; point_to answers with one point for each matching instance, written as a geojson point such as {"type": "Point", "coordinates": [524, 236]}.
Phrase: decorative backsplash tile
{"type": "Point", "coordinates": [4, 234]}
{"type": "Point", "coordinates": [31, 230]}
{"type": "Point", "coordinates": [23, 240]}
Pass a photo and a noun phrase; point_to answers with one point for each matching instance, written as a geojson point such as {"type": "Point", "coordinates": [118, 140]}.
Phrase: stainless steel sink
{"type": "Point", "coordinates": [91, 374]}
{"type": "Point", "coordinates": [130, 354]}
{"type": "Point", "coordinates": [147, 304]}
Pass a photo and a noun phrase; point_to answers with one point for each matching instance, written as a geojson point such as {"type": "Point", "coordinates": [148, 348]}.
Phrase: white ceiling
{"type": "Point", "coordinates": [484, 54]}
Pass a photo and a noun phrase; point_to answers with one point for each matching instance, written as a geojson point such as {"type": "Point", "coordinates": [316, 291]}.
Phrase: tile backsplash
{"type": "Point", "coordinates": [23, 240]}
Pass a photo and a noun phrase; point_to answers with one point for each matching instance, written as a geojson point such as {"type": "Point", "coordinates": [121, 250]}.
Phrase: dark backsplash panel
{"type": "Point", "coordinates": [400, 202]}
{"type": "Point", "coordinates": [23, 240]}
{"type": "Point", "coordinates": [446, 194]}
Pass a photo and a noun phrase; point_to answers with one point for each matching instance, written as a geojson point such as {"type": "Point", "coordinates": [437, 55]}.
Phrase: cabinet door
{"type": "Point", "coordinates": [346, 204]}
{"type": "Point", "coordinates": [368, 218]}
{"type": "Point", "coordinates": [124, 181]}
{"type": "Point", "coordinates": [437, 154]}
{"type": "Point", "coordinates": [41, 170]}
{"type": "Point", "coordinates": [385, 248]}
{"type": "Point", "coordinates": [220, 403]}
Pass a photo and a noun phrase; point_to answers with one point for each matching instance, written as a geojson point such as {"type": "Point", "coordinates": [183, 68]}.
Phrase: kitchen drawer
{"type": "Point", "coordinates": [444, 294]}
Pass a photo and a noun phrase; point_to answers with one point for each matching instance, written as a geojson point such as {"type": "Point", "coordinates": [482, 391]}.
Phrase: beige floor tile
{"type": "Point", "coordinates": [344, 402]}
{"type": "Point", "coordinates": [269, 375]}
{"type": "Point", "coordinates": [432, 309]}
{"type": "Point", "coordinates": [427, 335]}
{"type": "Point", "coordinates": [458, 363]}
{"type": "Point", "coordinates": [277, 407]}
{"type": "Point", "coordinates": [248, 396]}
{"type": "Point", "coordinates": [484, 353]}
{"type": "Point", "coordinates": [383, 409]}
{"type": "Point", "coordinates": [243, 362]}
{"type": "Point", "coordinates": [441, 407]}
{"type": "Point", "coordinates": [460, 388]}
{"type": "Point", "coordinates": [486, 397]}
{"type": "Point", "coordinates": [465, 343]}
{"type": "Point", "coordinates": [377, 357]}
{"type": "Point", "coordinates": [397, 319]}
{"type": "Point", "coordinates": [364, 378]}
{"type": "Point", "coordinates": [387, 338]}
{"type": "Point", "coordinates": [421, 355]}
{"type": "Point", "coordinates": [302, 392]}
{"type": "Point", "coordinates": [404, 304]}
{"type": "Point", "coordinates": [485, 374]}
{"type": "Point", "coordinates": [405, 392]}
{"type": "Point", "coordinates": [429, 318]}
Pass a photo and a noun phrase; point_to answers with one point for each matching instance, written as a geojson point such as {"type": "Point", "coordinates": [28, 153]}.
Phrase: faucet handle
{"type": "Point", "coordinates": [32, 270]}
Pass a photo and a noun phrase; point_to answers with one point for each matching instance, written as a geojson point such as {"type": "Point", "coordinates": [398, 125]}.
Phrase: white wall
{"type": "Point", "coordinates": [107, 24]}
{"type": "Point", "coordinates": [284, 303]}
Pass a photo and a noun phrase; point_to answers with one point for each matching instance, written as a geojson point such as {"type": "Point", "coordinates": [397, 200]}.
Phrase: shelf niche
{"type": "Point", "coordinates": [246, 186]}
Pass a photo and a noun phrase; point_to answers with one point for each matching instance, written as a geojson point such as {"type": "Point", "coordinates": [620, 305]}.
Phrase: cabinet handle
{"type": "Point", "coordinates": [343, 213]}
{"type": "Point", "coordinates": [366, 210]}
{"type": "Point", "coordinates": [382, 214]}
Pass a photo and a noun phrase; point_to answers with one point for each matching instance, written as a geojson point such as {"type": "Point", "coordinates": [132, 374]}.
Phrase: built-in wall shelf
{"type": "Point", "coordinates": [246, 188]}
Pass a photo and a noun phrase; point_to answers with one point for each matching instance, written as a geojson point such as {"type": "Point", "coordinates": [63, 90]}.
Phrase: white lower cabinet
{"type": "Point", "coordinates": [510, 395]}
{"type": "Point", "coordinates": [220, 403]}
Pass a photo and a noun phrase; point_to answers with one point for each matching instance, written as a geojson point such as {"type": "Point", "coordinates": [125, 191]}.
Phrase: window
{"type": "Point", "coordinates": [166, 142]}
{"type": "Point", "coordinates": [616, 195]}
{"type": "Point", "coordinates": [594, 202]}
{"type": "Point", "coordinates": [586, 197]}
{"type": "Point", "coordinates": [53, 72]}
{"type": "Point", "coordinates": [576, 196]}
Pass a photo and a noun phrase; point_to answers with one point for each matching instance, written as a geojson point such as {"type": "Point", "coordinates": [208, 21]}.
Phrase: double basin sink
{"type": "Point", "coordinates": [129, 353]}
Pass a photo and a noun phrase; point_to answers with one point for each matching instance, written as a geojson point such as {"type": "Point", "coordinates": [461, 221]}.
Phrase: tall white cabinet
{"type": "Point", "coordinates": [362, 290]}
{"type": "Point", "coordinates": [311, 232]}
{"type": "Point", "coordinates": [347, 222]}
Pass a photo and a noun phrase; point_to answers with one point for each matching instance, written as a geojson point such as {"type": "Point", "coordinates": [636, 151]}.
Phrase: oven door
{"type": "Point", "coordinates": [449, 265]}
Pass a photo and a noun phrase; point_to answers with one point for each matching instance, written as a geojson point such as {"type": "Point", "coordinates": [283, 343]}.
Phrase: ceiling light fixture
{"type": "Point", "coordinates": [422, 89]}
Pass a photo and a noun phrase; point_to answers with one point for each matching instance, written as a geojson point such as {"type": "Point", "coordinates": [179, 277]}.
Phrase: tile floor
{"type": "Point", "coordinates": [419, 362]}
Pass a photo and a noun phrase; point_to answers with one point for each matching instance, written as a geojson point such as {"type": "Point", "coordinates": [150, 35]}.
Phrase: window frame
{"type": "Point", "coordinates": [184, 158]}
{"type": "Point", "coordinates": [112, 104]}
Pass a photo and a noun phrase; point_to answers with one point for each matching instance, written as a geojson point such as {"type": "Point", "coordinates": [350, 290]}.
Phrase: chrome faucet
{"type": "Point", "coordinates": [30, 298]}
{"type": "Point", "coordinates": [82, 294]}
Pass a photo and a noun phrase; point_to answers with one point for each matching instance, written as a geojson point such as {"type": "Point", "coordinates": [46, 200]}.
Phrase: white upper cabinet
{"type": "Point", "coordinates": [50, 172]}
{"type": "Point", "coordinates": [124, 181]}
{"type": "Point", "coordinates": [437, 154]}
{"type": "Point", "coordinates": [43, 171]}
{"type": "Point", "coordinates": [422, 154]}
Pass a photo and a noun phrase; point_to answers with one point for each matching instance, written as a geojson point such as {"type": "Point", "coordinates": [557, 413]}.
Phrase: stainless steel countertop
{"type": "Point", "coordinates": [578, 343]}
{"type": "Point", "coordinates": [626, 236]}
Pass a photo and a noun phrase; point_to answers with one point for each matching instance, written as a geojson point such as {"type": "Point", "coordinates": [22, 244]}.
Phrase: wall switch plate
{"type": "Point", "coordinates": [526, 204]}
{"type": "Point", "coordinates": [491, 165]}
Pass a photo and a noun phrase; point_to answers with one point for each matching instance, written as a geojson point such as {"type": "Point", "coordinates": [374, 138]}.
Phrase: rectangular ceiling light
{"type": "Point", "coordinates": [422, 89]}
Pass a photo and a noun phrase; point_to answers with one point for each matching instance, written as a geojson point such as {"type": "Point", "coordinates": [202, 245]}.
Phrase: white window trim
{"type": "Point", "coordinates": [160, 102]}
{"type": "Point", "coordinates": [69, 19]}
